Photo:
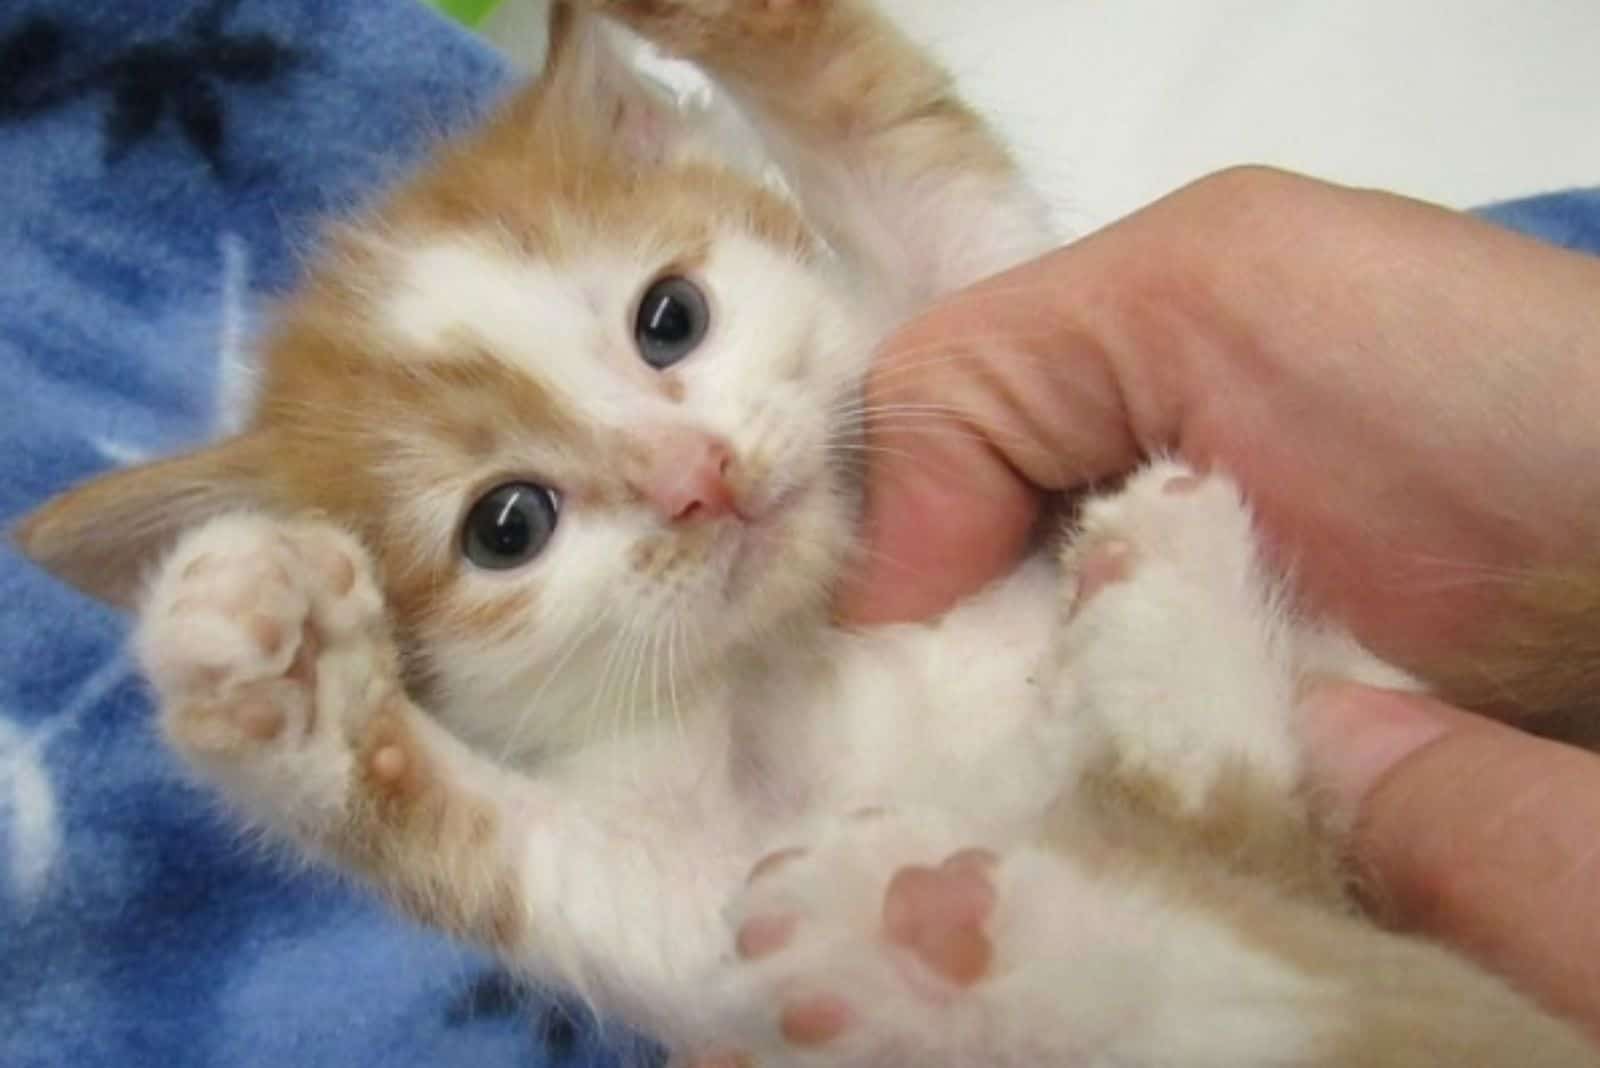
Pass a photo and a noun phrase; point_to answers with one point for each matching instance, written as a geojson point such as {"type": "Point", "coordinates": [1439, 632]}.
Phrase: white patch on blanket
{"type": "Point", "coordinates": [119, 452]}
{"type": "Point", "coordinates": [236, 371]}
{"type": "Point", "coordinates": [28, 808]}
{"type": "Point", "coordinates": [27, 796]}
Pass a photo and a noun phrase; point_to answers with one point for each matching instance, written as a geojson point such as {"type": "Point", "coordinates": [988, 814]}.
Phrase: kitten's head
{"type": "Point", "coordinates": [581, 389]}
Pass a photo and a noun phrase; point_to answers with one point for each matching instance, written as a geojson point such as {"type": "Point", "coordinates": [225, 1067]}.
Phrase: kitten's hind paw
{"type": "Point", "coordinates": [854, 949]}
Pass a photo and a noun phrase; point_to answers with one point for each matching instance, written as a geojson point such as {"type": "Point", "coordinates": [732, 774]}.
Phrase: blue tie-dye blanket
{"type": "Point", "coordinates": [162, 165]}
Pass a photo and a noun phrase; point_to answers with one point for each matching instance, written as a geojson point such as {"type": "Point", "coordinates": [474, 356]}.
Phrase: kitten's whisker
{"type": "Point", "coordinates": [602, 714]}
{"type": "Point", "coordinates": [630, 696]}
{"type": "Point", "coordinates": [920, 358]}
{"type": "Point", "coordinates": [646, 697]}
{"type": "Point", "coordinates": [899, 416]}
{"type": "Point", "coordinates": [657, 636]}
{"type": "Point", "coordinates": [564, 655]}
{"type": "Point", "coordinates": [674, 628]}
{"type": "Point", "coordinates": [855, 452]}
{"type": "Point", "coordinates": [929, 428]}
{"type": "Point", "coordinates": [864, 555]}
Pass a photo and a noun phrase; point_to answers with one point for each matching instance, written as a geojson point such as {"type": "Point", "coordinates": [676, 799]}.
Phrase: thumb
{"type": "Point", "coordinates": [1474, 832]}
{"type": "Point", "coordinates": [995, 396]}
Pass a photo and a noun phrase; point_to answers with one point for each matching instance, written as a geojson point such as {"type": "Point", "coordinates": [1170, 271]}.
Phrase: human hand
{"type": "Point", "coordinates": [1405, 393]}
{"type": "Point", "coordinates": [1472, 832]}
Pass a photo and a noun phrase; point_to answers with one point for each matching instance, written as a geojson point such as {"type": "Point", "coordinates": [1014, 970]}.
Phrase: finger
{"type": "Point", "coordinates": [997, 395]}
{"type": "Point", "coordinates": [937, 527]}
{"type": "Point", "coordinates": [1475, 833]}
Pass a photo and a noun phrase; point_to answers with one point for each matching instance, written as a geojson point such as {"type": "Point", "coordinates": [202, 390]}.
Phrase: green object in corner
{"type": "Point", "coordinates": [466, 12]}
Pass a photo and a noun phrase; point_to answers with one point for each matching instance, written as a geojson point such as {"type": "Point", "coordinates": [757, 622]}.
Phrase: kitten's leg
{"type": "Point", "coordinates": [1181, 906]}
{"type": "Point", "coordinates": [882, 152]}
{"type": "Point", "coordinates": [1086, 955]}
{"type": "Point", "coordinates": [1184, 659]}
{"type": "Point", "coordinates": [1188, 661]}
{"type": "Point", "coordinates": [852, 952]}
{"type": "Point", "coordinates": [267, 646]}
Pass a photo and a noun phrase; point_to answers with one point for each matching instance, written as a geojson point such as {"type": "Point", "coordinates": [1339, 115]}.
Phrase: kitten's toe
{"type": "Point", "coordinates": [338, 577]}
{"type": "Point", "coordinates": [1096, 566]}
{"type": "Point", "coordinates": [759, 937]}
{"type": "Point", "coordinates": [815, 1020]}
{"type": "Point", "coordinates": [1167, 515]}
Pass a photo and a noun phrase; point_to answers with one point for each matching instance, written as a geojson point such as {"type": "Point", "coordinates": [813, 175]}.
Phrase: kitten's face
{"type": "Point", "coordinates": [599, 469]}
{"type": "Point", "coordinates": [587, 400]}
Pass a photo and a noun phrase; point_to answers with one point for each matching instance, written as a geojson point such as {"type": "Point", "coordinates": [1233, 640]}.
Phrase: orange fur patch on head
{"type": "Point", "coordinates": [548, 185]}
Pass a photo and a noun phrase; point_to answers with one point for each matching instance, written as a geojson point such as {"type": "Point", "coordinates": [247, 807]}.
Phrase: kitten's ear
{"type": "Point", "coordinates": [590, 80]}
{"type": "Point", "coordinates": [104, 536]}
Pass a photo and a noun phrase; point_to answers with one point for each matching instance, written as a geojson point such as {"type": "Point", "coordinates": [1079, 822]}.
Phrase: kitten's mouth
{"type": "Point", "coordinates": [761, 536]}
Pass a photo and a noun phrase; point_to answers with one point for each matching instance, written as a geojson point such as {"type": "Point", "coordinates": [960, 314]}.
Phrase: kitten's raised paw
{"type": "Point", "coordinates": [1175, 643]}
{"type": "Point", "coordinates": [696, 27]}
{"type": "Point", "coordinates": [857, 948]}
{"type": "Point", "coordinates": [265, 642]}
{"type": "Point", "coordinates": [1167, 516]}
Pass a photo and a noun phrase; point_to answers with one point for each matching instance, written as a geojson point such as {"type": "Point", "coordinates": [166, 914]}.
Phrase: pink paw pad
{"type": "Point", "coordinates": [394, 764]}
{"type": "Point", "coordinates": [939, 915]}
{"type": "Point", "coordinates": [1101, 566]}
{"type": "Point", "coordinates": [815, 1021]}
{"type": "Point", "coordinates": [1179, 485]}
{"type": "Point", "coordinates": [762, 936]}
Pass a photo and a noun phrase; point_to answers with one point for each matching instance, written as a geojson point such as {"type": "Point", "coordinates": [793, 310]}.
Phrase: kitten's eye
{"type": "Point", "coordinates": [672, 320]}
{"type": "Point", "coordinates": [509, 525]}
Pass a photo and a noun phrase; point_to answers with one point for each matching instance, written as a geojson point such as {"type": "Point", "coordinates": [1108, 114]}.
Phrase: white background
{"type": "Point", "coordinates": [1114, 102]}
{"type": "Point", "coordinates": [1111, 103]}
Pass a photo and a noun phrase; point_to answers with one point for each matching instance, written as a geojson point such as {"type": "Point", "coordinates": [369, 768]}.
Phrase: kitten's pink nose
{"type": "Point", "coordinates": [686, 477]}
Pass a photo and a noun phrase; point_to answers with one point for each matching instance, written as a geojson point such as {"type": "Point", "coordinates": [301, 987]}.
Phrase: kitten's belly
{"type": "Point", "coordinates": [953, 714]}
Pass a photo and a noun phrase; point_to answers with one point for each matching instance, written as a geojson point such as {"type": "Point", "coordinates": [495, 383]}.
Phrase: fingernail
{"type": "Point", "coordinates": [1355, 735]}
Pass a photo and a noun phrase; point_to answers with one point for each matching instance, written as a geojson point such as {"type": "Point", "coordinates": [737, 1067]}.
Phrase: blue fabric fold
{"type": "Point", "coordinates": [164, 166]}
{"type": "Point", "coordinates": [1570, 218]}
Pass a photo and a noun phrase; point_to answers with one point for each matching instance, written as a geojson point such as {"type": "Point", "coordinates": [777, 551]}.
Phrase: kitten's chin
{"type": "Point", "coordinates": [787, 559]}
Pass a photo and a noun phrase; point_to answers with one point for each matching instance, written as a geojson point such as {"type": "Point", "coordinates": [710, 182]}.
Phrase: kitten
{"type": "Point", "coordinates": [513, 599]}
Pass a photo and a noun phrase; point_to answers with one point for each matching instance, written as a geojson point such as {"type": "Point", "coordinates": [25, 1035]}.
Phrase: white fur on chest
{"type": "Point", "coordinates": [952, 711]}
{"type": "Point", "coordinates": [950, 715]}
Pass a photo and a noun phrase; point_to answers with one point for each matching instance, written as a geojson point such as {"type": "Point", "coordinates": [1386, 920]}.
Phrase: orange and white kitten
{"type": "Point", "coordinates": [512, 598]}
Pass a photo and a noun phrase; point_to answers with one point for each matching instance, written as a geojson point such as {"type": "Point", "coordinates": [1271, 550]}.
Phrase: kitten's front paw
{"type": "Point", "coordinates": [1175, 642]}
{"type": "Point", "coordinates": [1194, 529]}
{"type": "Point", "coordinates": [698, 27]}
{"type": "Point", "coordinates": [867, 947]}
{"type": "Point", "coordinates": [265, 640]}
